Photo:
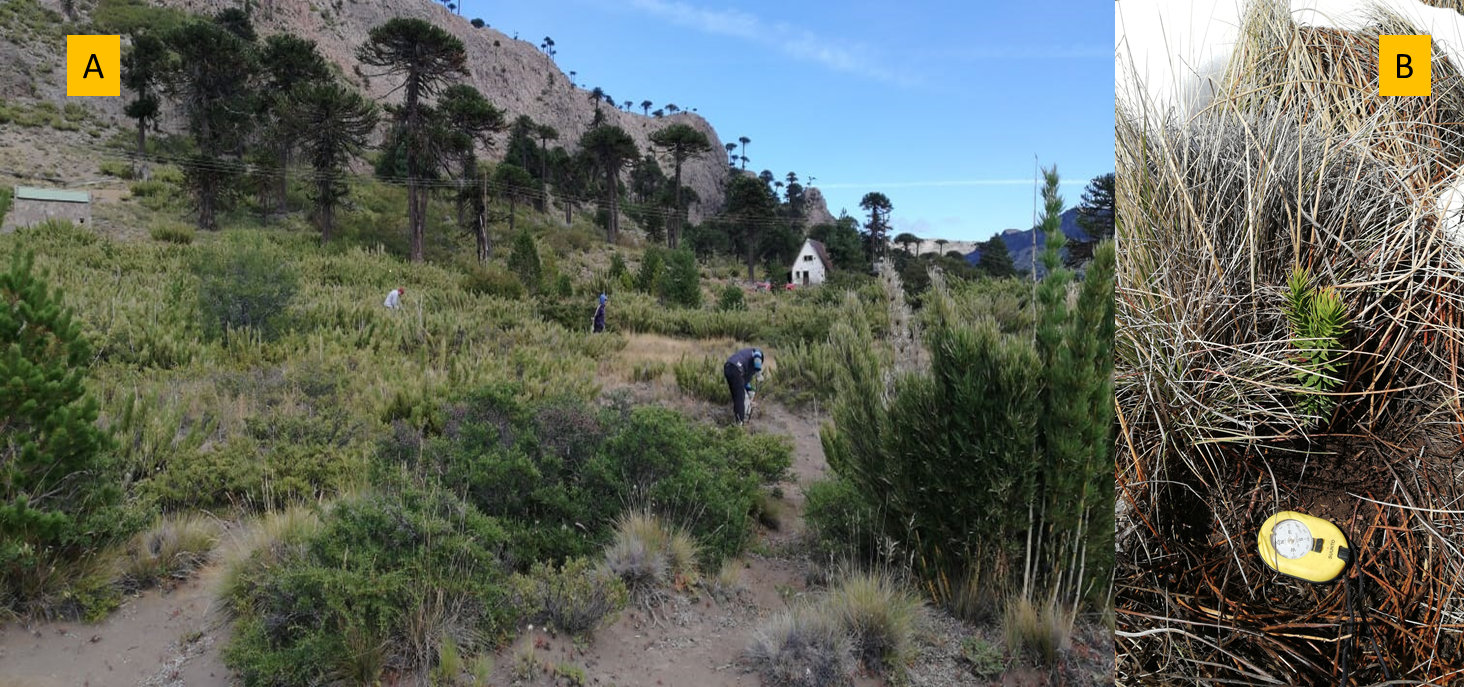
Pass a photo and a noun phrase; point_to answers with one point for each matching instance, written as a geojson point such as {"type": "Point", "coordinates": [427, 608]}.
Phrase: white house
{"type": "Point", "coordinates": [812, 266]}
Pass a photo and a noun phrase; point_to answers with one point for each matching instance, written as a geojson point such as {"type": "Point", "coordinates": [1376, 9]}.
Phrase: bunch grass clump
{"type": "Point", "coordinates": [171, 549]}
{"type": "Point", "coordinates": [648, 555]}
{"type": "Point", "coordinates": [802, 647]}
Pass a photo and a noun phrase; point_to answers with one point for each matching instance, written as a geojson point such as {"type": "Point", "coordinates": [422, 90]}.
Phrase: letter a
{"type": "Point", "coordinates": [1405, 62]}
{"type": "Point", "coordinates": [93, 65]}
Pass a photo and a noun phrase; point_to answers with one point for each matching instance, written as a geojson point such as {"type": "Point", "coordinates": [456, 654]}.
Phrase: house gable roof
{"type": "Point", "coordinates": [823, 255]}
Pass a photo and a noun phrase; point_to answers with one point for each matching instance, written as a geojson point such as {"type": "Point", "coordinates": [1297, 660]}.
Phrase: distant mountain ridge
{"type": "Point", "coordinates": [1026, 247]}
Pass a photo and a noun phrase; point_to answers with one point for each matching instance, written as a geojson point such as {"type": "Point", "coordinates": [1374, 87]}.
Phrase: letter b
{"type": "Point", "coordinates": [1405, 62]}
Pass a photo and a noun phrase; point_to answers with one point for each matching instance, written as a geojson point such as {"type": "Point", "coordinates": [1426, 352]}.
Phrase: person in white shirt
{"type": "Point", "coordinates": [394, 298]}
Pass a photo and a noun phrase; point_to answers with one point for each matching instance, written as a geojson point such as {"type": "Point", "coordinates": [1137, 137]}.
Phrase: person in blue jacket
{"type": "Point", "coordinates": [599, 325]}
{"type": "Point", "coordinates": [741, 370]}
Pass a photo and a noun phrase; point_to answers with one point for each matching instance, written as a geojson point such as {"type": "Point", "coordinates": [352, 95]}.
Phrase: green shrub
{"type": "Point", "coordinates": [172, 232]}
{"type": "Point", "coordinates": [59, 481]}
{"type": "Point", "coordinates": [702, 379]}
{"type": "Point", "coordinates": [806, 373]}
{"type": "Point", "coordinates": [492, 280]}
{"type": "Point", "coordinates": [983, 658]}
{"type": "Point", "coordinates": [731, 299]}
{"type": "Point", "coordinates": [6, 194]}
{"type": "Point", "coordinates": [381, 582]}
{"type": "Point", "coordinates": [130, 16]}
{"type": "Point", "coordinates": [151, 187]}
{"type": "Point", "coordinates": [558, 473]}
{"type": "Point", "coordinates": [681, 283]}
{"type": "Point", "coordinates": [652, 269]}
{"type": "Point", "coordinates": [617, 265]}
{"type": "Point", "coordinates": [647, 371]}
{"type": "Point", "coordinates": [576, 598]}
{"type": "Point", "coordinates": [564, 286]}
{"type": "Point", "coordinates": [979, 397]}
{"type": "Point", "coordinates": [157, 195]}
{"type": "Point", "coordinates": [244, 284]}
{"type": "Point", "coordinates": [279, 457]}
{"type": "Point", "coordinates": [116, 168]}
{"type": "Point", "coordinates": [841, 523]}
{"type": "Point", "coordinates": [523, 260]}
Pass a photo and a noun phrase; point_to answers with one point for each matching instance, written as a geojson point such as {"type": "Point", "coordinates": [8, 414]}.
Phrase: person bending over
{"type": "Point", "coordinates": [741, 370]}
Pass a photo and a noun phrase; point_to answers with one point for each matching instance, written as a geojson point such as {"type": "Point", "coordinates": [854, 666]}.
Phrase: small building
{"type": "Point", "coordinates": [812, 266]}
{"type": "Point", "coordinates": [30, 206]}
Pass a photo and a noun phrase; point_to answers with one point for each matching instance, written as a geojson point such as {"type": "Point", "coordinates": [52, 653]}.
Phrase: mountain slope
{"type": "Point", "coordinates": [514, 74]}
{"type": "Point", "coordinates": [1026, 247]}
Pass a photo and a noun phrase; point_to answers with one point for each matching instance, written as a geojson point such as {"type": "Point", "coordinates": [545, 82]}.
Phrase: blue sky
{"type": "Point", "coordinates": [940, 106]}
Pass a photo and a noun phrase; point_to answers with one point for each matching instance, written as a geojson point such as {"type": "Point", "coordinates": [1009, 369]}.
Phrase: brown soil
{"type": "Point", "coordinates": [161, 638]}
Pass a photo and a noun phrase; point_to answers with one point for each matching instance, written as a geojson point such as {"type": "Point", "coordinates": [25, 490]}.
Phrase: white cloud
{"type": "Point", "coordinates": [792, 41]}
{"type": "Point", "coordinates": [917, 226]}
{"type": "Point", "coordinates": [1032, 52]}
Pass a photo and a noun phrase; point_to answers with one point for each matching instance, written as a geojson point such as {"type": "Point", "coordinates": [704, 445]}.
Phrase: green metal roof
{"type": "Point", "coordinates": [30, 193]}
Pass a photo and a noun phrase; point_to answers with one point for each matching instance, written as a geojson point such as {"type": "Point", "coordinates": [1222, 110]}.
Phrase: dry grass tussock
{"type": "Point", "coordinates": [171, 549]}
{"type": "Point", "coordinates": [1232, 404]}
{"type": "Point", "coordinates": [648, 555]}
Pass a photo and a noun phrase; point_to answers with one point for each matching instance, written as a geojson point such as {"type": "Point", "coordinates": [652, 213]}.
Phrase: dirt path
{"type": "Point", "coordinates": [159, 638]}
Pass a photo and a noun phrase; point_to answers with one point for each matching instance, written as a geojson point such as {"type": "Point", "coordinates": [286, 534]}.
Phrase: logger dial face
{"type": "Point", "coordinates": [1291, 538]}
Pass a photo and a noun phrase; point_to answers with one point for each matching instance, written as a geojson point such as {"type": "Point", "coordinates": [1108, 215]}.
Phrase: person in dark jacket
{"type": "Point", "coordinates": [599, 325]}
{"type": "Point", "coordinates": [741, 369]}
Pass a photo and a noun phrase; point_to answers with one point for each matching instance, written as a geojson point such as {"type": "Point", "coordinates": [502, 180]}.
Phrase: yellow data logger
{"type": "Point", "coordinates": [1304, 547]}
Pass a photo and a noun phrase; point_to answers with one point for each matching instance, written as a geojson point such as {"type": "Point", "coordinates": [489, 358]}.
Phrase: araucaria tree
{"type": "Point", "coordinates": [878, 206]}
{"type": "Point", "coordinates": [751, 206]}
{"type": "Point", "coordinates": [426, 58]}
{"type": "Point", "coordinates": [611, 149]}
{"type": "Point", "coordinates": [286, 62]}
{"type": "Point", "coordinates": [58, 488]}
{"type": "Point", "coordinates": [681, 142]}
{"type": "Point", "coordinates": [1095, 216]}
{"type": "Point", "coordinates": [210, 80]}
{"type": "Point", "coordinates": [332, 124]}
{"type": "Point", "coordinates": [463, 120]}
{"type": "Point", "coordinates": [143, 69]}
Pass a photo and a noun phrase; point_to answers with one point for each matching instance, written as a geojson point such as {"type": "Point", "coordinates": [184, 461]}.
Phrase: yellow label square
{"type": "Point", "coordinates": [1403, 65]}
{"type": "Point", "coordinates": [93, 65]}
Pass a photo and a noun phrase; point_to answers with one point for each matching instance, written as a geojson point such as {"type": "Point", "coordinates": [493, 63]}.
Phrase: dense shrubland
{"type": "Point", "coordinates": [985, 472]}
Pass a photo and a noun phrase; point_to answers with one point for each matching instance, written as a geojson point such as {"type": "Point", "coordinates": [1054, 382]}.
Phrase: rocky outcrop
{"type": "Point", "coordinates": [815, 208]}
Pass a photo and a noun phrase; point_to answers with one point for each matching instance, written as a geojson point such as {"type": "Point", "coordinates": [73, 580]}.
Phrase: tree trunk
{"type": "Point", "coordinates": [673, 233]}
{"type": "Point", "coordinates": [282, 203]}
{"type": "Point", "coordinates": [612, 224]}
{"type": "Point", "coordinates": [480, 225]}
{"type": "Point", "coordinates": [416, 196]}
{"type": "Point", "coordinates": [419, 223]}
{"type": "Point", "coordinates": [568, 209]}
{"type": "Point", "coordinates": [206, 203]}
{"type": "Point", "coordinates": [325, 208]}
{"type": "Point", "coordinates": [139, 166]}
{"type": "Point", "coordinates": [512, 205]}
{"type": "Point", "coordinates": [749, 255]}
